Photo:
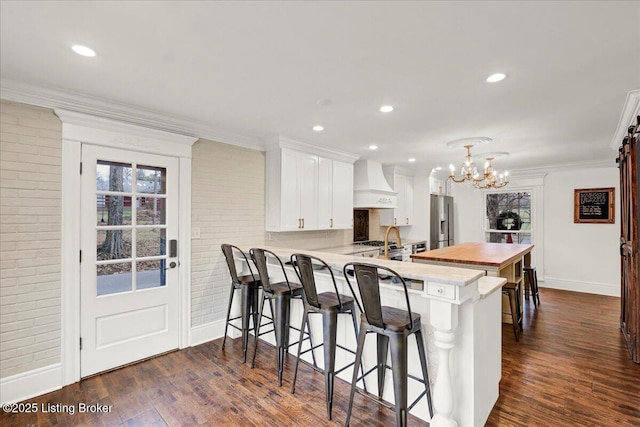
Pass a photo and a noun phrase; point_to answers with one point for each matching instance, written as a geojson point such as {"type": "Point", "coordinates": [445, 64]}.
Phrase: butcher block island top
{"type": "Point", "coordinates": [495, 255]}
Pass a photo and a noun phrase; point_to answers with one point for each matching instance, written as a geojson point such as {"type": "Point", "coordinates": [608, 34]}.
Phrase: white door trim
{"type": "Point", "coordinates": [78, 129]}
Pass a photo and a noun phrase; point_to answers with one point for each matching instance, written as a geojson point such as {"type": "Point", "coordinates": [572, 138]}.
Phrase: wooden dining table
{"type": "Point", "coordinates": [496, 259]}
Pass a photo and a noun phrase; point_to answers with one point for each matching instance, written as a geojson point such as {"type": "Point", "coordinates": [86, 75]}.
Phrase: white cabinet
{"type": "Point", "coordinates": [342, 197]}
{"type": "Point", "coordinates": [306, 191]}
{"type": "Point", "coordinates": [335, 194]}
{"type": "Point", "coordinates": [402, 184]}
{"type": "Point", "coordinates": [298, 191]}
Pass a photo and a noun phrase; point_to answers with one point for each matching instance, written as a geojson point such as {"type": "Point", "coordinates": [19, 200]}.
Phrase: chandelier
{"type": "Point", "coordinates": [469, 172]}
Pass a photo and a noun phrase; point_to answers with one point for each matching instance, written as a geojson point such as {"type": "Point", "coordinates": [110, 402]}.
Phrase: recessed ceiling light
{"type": "Point", "coordinates": [318, 128]}
{"type": "Point", "coordinates": [412, 159]}
{"type": "Point", "coordinates": [493, 78]}
{"type": "Point", "coordinates": [386, 109]}
{"type": "Point", "coordinates": [83, 50]}
{"type": "Point", "coordinates": [373, 147]}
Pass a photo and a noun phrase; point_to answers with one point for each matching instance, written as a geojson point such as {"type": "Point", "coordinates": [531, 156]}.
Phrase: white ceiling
{"type": "Point", "coordinates": [256, 69]}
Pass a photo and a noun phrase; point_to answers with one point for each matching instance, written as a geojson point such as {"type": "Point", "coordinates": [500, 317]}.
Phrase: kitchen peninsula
{"type": "Point", "coordinates": [460, 311]}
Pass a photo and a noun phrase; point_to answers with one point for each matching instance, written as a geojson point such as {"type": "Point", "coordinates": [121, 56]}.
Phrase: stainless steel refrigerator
{"type": "Point", "coordinates": [441, 221]}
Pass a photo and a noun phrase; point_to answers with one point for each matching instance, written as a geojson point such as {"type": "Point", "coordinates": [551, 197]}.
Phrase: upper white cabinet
{"type": "Point", "coordinates": [299, 190]}
{"type": "Point", "coordinates": [308, 190]}
{"type": "Point", "coordinates": [402, 184]}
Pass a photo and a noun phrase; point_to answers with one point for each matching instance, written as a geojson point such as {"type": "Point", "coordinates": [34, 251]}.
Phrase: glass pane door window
{"type": "Point", "coordinates": [130, 227]}
{"type": "Point", "coordinates": [508, 217]}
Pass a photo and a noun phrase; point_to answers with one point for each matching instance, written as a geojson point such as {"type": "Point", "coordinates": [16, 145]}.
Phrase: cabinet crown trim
{"type": "Point", "coordinates": [277, 142]}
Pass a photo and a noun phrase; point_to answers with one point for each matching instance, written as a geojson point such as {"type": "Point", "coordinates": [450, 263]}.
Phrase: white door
{"type": "Point", "coordinates": [129, 275]}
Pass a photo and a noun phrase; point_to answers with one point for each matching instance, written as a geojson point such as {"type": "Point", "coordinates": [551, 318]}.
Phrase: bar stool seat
{"type": "Point", "coordinates": [248, 285]}
{"type": "Point", "coordinates": [329, 305]}
{"type": "Point", "coordinates": [395, 319]}
{"type": "Point", "coordinates": [513, 292]}
{"type": "Point", "coordinates": [392, 327]}
{"type": "Point", "coordinates": [531, 285]}
{"type": "Point", "coordinates": [330, 300]}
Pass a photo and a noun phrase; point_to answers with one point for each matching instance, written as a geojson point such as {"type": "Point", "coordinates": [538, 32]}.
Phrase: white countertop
{"type": "Point", "coordinates": [489, 284]}
{"type": "Point", "coordinates": [425, 272]}
{"type": "Point", "coordinates": [357, 249]}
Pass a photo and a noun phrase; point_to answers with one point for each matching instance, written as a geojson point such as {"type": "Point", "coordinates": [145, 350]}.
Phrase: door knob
{"type": "Point", "coordinates": [172, 264]}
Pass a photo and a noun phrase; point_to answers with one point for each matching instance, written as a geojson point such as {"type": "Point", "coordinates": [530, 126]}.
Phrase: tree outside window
{"type": "Point", "coordinates": [508, 217]}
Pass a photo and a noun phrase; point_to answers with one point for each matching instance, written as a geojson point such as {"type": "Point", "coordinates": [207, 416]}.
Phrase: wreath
{"type": "Point", "coordinates": [508, 221]}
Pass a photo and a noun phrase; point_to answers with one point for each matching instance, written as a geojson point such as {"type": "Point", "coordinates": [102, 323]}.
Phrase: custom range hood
{"type": "Point", "coordinates": [370, 188]}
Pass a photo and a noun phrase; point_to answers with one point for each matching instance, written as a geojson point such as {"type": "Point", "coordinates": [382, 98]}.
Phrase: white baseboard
{"type": "Point", "coordinates": [19, 387]}
{"type": "Point", "coordinates": [581, 286]}
{"type": "Point", "coordinates": [210, 331]}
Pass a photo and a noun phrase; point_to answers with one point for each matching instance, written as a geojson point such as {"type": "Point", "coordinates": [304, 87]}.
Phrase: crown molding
{"type": "Point", "coordinates": [25, 93]}
{"type": "Point", "coordinates": [543, 170]}
{"type": "Point", "coordinates": [91, 129]}
{"type": "Point", "coordinates": [277, 141]}
{"type": "Point", "coordinates": [630, 111]}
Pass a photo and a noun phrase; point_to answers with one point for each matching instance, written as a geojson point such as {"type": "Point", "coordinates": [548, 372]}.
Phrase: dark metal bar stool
{"type": "Point", "coordinates": [281, 293]}
{"type": "Point", "coordinates": [248, 286]}
{"type": "Point", "coordinates": [514, 291]}
{"type": "Point", "coordinates": [329, 304]}
{"type": "Point", "coordinates": [392, 327]}
{"type": "Point", "coordinates": [531, 285]}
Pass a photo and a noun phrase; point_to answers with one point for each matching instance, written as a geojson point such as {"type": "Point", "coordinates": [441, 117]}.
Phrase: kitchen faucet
{"type": "Point", "coordinates": [386, 240]}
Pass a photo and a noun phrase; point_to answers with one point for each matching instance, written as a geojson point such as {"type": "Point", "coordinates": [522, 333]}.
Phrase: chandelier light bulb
{"type": "Point", "coordinates": [489, 178]}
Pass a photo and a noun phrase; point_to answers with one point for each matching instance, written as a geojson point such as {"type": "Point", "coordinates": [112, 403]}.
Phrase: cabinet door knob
{"type": "Point", "coordinates": [395, 221]}
{"type": "Point", "coordinates": [407, 220]}
{"type": "Point", "coordinates": [331, 225]}
{"type": "Point", "coordinates": [299, 222]}
{"type": "Point", "coordinates": [302, 222]}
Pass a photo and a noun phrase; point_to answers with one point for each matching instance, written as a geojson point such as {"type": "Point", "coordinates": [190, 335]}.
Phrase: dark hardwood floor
{"type": "Point", "coordinates": [570, 368]}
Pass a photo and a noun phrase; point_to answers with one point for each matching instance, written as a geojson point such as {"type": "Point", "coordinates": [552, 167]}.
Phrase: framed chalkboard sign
{"type": "Point", "coordinates": [593, 205]}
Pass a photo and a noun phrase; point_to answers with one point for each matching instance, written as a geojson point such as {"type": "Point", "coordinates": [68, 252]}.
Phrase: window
{"type": "Point", "coordinates": [508, 217]}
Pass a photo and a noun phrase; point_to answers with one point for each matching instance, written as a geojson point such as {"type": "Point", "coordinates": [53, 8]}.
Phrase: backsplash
{"type": "Point", "coordinates": [376, 231]}
{"type": "Point", "coordinates": [310, 239]}
{"type": "Point", "coordinates": [324, 238]}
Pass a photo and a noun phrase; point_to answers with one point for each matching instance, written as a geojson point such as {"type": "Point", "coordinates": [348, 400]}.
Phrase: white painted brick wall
{"type": "Point", "coordinates": [228, 191]}
{"type": "Point", "coordinates": [30, 221]}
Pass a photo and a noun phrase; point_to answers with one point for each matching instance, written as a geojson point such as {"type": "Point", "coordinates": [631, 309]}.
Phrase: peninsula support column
{"type": "Point", "coordinates": [444, 320]}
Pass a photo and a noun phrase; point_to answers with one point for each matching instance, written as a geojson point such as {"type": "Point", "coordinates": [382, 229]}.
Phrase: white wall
{"type": "Point", "coordinates": [582, 257]}
{"type": "Point", "coordinates": [468, 215]}
{"type": "Point", "coordinates": [227, 206]}
{"type": "Point", "coordinates": [30, 208]}
{"type": "Point", "coordinates": [421, 209]}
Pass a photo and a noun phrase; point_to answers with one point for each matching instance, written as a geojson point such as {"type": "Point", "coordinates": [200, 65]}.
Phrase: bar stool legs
{"type": "Point", "coordinates": [513, 292]}
{"type": "Point", "coordinates": [248, 310]}
{"type": "Point", "coordinates": [248, 286]}
{"type": "Point", "coordinates": [281, 326]}
{"type": "Point", "coordinates": [399, 369]}
{"type": "Point", "coordinates": [226, 324]}
{"type": "Point", "coordinates": [531, 282]}
{"type": "Point", "coordinates": [329, 345]}
{"type": "Point", "coordinates": [281, 314]}
{"type": "Point", "coordinates": [329, 332]}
